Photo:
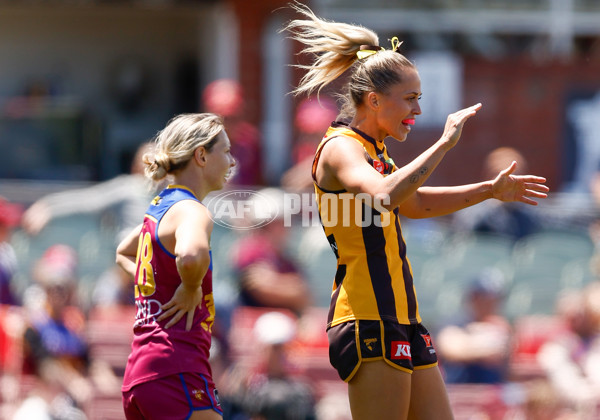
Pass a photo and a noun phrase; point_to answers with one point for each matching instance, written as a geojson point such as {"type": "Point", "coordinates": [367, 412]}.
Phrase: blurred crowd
{"type": "Point", "coordinates": [270, 349]}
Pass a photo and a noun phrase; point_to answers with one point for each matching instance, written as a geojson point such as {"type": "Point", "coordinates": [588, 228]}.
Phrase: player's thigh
{"type": "Point", "coordinates": [206, 415]}
{"type": "Point", "coordinates": [379, 391]}
{"type": "Point", "coordinates": [429, 398]}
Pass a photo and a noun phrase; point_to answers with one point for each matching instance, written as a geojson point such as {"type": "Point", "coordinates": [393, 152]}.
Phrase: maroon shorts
{"type": "Point", "coordinates": [405, 347]}
{"type": "Point", "coordinates": [173, 397]}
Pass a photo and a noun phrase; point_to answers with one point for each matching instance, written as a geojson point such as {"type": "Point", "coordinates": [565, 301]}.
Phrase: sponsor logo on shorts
{"type": "Point", "coordinates": [427, 339]}
{"type": "Point", "coordinates": [369, 342]}
{"type": "Point", "coordinates": [401, 350]}
{"type": "Point", "coordinates": [216, 395]}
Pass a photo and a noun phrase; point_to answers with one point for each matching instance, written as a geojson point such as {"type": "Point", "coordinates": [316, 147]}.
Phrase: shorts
{"type": "Point", "coordinates": [405, 347]}
{"type": "Point", "coordinates": [173, 397]}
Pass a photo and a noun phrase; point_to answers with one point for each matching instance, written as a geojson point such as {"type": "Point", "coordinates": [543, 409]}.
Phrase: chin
{"type": "Point", "coordinates": [220, 186]}
{"type": "Point", "coordinates": [401, 138]}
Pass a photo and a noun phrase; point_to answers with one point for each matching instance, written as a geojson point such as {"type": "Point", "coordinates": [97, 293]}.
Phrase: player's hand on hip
{"type": "Point", "coordinates": [184, 302]}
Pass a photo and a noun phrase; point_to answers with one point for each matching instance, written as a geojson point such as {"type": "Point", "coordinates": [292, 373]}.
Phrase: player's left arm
{"type": "Point", "coordinates": [192, 257]}
{"type": "Point", "coordinates": [440, 201]}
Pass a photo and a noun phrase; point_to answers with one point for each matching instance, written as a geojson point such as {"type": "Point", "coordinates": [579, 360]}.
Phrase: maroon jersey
{"type": "Point", "coordinates": [157, 352]}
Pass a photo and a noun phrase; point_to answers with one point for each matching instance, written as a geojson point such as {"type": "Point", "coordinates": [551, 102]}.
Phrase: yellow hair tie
{"type": "Point", "coordinates": [395, 43]}
{"type": "Point", "coordinates": [368, 50]}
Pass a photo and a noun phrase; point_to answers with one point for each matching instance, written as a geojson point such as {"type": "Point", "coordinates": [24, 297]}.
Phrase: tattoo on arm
{"type": "Point", "coordinates": [414, 178]}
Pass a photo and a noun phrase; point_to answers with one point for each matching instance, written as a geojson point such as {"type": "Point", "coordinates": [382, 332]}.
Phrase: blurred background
{"type": "Point", "coordinates": [84, 84]}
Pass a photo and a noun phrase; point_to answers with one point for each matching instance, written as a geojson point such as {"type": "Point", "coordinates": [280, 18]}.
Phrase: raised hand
{"type": "Point", "coordinates": [509, 187]}
{"type": "Point", "coordinates": [455, 122]}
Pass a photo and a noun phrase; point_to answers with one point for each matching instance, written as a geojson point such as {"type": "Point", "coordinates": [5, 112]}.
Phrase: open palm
{"type": "Point", "coordinates": [523, 188]}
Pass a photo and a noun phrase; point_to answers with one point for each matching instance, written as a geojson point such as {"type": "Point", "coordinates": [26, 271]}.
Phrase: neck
{"type": "Point", "coordinates": [195, 184]}
{"type": "Point", "coordinates": [367, 126]}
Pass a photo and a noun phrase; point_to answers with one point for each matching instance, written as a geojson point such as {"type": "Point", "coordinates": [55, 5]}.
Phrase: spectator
{"type": "Point", "coordinates": [269, 390]}
{"type": "Point", "coordinates": [113, 287]}
{"type": "Point", "coordinates": [494, 216]}
{"type": "Point", "coordinates": [55, 350]}
{"type": "Point", "coordinates": [10, 216]}
{"type": "Point", "coordinates": [571, 360]}
{"type": "Point", "coordinates": [476, 349]}
{"type": "Point", "coordinates": [128, 194]}
{"type": "Point", "coordinates": [267, 276]}
{"type": "Point", "coordinates": [225, 97]}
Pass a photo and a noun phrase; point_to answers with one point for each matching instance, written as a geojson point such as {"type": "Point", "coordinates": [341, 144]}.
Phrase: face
{"type": "Point", "coordinates": [397, 108]}
{"type": "Point", "coordinates": [219, 162]}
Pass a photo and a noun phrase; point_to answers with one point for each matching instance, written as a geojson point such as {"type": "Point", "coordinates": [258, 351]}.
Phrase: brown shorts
{"type": "Point", "coordinates": [405, 347]}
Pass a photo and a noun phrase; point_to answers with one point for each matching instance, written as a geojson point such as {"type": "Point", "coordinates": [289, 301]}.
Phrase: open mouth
{"type": "Point", "coordinates": [407, 123]}
{"type": "Point", "coordinates": [230, 174]}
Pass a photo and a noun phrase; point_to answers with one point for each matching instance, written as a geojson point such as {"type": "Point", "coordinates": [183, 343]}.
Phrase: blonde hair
{"type": "Point", "coordinates": [174, 145]}
{"type": "Point", "coordinates": [334, 46]}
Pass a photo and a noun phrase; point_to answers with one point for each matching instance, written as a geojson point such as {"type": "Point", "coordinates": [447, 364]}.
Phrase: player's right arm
{"type": "Point", "coordinates": [345, 166]}
{"type": "Point", "coordinates": [127, 251]}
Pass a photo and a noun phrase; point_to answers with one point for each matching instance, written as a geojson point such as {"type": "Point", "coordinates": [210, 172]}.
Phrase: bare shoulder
{"type": "Point", "coordinates": [341, 146]}
{"type": "Point", "coordinates": [190, 213]}
{"type": "Point", "coordinates": [342, 152]}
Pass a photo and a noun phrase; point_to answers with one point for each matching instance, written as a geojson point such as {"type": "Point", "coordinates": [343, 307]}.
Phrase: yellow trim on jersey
{"type": "Point", "coordinates": [182, 187]}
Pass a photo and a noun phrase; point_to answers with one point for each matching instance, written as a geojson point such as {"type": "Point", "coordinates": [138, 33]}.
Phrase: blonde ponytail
{"type": "Point", "coordinates": [334, 46]}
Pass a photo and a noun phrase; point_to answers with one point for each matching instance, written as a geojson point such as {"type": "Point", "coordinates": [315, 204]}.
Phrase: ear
{"type": "Point", "coordinates": [200, 156]}
{"type": "Point", "coordinates": [373, 100]}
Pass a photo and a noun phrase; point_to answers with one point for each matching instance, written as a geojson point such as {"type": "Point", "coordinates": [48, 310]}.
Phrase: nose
{"type": "Point", "coordinates": [233, 162]}
{"type": "Point", "coordinates": [417, 108]}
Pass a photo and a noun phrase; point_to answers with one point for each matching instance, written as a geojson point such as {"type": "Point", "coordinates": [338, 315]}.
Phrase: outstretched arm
{"type": "Point", "coordinates": [440, 201]}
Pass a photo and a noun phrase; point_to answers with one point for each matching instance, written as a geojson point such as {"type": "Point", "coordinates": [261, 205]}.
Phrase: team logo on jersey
{"type": "Point", "coordinates": [401, 350]}
{"type": "Point", "coordinates": [369, 342]}
{"type": "Point", "coordinates": [198, 394]}
{"type": "Point", "coordinates": [379, 166]}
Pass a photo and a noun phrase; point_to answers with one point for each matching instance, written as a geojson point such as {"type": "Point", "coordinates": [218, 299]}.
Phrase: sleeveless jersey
{"type": "Point", "coordinates": [158, 352]}
{"type": "Point", "coordinates": [374, 279]}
